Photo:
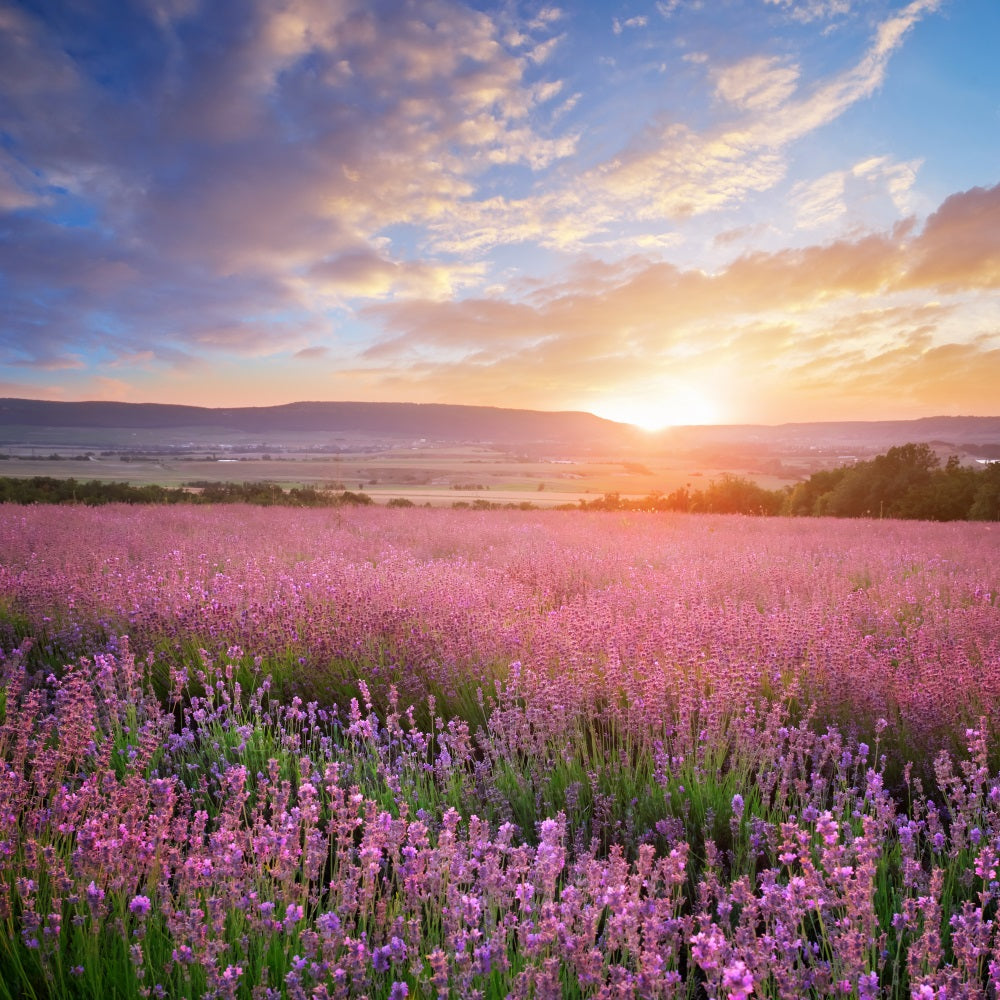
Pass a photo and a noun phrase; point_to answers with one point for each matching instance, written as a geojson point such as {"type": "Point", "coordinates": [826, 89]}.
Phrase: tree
{"type": "Point", "coordinates": [877, 488]}
{"type": "Point", "coordinates": [986, 503]}
{"type": "Point", "coordinates": [808, 498]}
{"type": "Point", "coordinates": [947, 496]}
{"type": "Point", "coordinates": [735, 495]}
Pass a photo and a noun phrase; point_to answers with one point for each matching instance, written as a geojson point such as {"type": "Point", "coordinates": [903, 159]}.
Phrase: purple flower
{"type": "Point", "coordinates": [868, 986]}
{"type": "Point", "coordinates": [737, 981]}
{"type": "Point", "coordinates": [140, 905]}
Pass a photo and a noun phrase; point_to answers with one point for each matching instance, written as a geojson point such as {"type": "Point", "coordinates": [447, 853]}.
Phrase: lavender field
{"type": "Point", "coordinates": [261, 752]}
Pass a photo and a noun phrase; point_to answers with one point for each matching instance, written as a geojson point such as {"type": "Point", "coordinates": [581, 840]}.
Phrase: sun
{"type": "Point", "coordinates": [651, 411]}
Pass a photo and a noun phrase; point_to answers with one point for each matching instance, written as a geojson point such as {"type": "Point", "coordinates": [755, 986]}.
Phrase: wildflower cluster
{"type": "Point", "coordinates": [536, 763]}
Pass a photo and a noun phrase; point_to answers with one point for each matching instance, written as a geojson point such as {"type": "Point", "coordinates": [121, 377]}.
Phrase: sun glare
{"type": "Point", "coordinates": [672, 407]}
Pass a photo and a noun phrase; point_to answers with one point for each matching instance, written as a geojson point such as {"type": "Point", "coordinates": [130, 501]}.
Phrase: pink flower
{"type": "Point", "coordinates": [737, 981]}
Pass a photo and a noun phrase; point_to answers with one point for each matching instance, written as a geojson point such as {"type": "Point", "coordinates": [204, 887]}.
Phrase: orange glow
{"type": "Point", "coordinates": [651, 410]}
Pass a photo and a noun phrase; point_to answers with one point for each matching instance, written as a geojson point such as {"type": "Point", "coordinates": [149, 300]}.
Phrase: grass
{"type": "Point", "coordinates": [394, 474]}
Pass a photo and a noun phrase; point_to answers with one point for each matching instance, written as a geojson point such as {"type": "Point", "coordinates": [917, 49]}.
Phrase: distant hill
{"type": "Point", "coordinates": [863, 434]}
{"type": "Point", "coordinates": [438, 422]}
{"type": "Point", "coordinates": [433, 421]}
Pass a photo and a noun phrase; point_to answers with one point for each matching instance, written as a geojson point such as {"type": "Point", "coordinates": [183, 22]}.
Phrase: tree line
{"type": "Point", "coordinates": [93, 493]}
{"type": "Point", "coordinates": [908, 481]}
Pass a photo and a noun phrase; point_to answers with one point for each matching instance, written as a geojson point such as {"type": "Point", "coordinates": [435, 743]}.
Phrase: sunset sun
{"type": "Point", "coordinates": [670, 406]}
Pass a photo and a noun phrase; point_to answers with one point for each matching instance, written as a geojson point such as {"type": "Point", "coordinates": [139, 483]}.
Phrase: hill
{"type": "Point", "coordinates": [94, 423]}
{"type": "Point", "coordinates": [859, 434]}
{"type": "Point", "coordinates": [431, 421]}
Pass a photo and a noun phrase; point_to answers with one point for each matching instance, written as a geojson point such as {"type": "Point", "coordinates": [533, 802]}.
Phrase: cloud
{"type": "Point", "coordinates": [672, 171]}
{"type": "Point", "coordinates": [428, 103]}
{"type": "Point", "coordinates": [842, 319]}
{"type": "Point", "coordinates": [740, 234]}
{"type": "Point", "coordinates": [675, 171]}
{"type": "Point", "coordinates": [899, 178]}
{"type": "Point", "coordinates": [618, 25]}
{"type": "Point", "coordinates": [959, 248]}
{"type": "Point", "coordinates": [855, 193]}
{"type": "Point", "coordinates": [543, 50]}
{"type": "Point", "coordinates": [29, 390]}
{"type": "Point", "coordinates": [824, 312]}
{"type": "Point", "coordinates": [547, 16]}
{"type": "Point", "coordinates": [366, 273]}
{"type": "Point", "coordinates": [71, 294]}
{"type": "Point", "coordinates": [317, 353]}
{"type": "Point", "coordinates": [112, 389]}
{"type": "Point", "coordinates": [757, 84]}
{"type": "Point", "coordinates": [241, 162]}
{"type": "Point", "coordinates": [18, 188]}
{"type": "Point", "coordinates": [259, 183]}
{"type": "Point", "coordinates": [276, 140]}
{"type": "Point", "coordinates": [135, 359]}
{"type": "Point", "coordinates": [821, 201]}
{"type": "Point", "coordinates": [813, 10]}
{"type": "Point", "coordinates": [50, 362]}
{"type": "Point", "coordinates": [31, 63]}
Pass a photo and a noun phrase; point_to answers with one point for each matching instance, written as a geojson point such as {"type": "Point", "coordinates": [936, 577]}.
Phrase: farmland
{"type": "Point", "coordinates": [441, 455]}
{"type": "Point", "coordinates": [377, 752]}
{"type": "Point", "coordinates": [436, 474]}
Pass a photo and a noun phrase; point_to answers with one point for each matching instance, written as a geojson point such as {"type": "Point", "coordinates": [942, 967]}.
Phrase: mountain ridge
{"type": "Point", "coordinates": [305, 415]}
{"type": "Point", "coordinates": [461, 422]}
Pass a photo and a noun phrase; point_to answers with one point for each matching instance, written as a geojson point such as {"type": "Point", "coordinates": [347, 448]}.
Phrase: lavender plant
{"type": "Point", "coordinates": [677, 757]}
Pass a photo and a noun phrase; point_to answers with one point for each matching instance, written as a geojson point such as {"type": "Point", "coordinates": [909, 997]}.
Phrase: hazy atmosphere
{"type": "Point", "coordinates": [670, 212]}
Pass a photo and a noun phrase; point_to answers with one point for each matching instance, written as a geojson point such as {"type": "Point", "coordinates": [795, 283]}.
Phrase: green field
{"type": "Point", "coordinates": [436, 475]}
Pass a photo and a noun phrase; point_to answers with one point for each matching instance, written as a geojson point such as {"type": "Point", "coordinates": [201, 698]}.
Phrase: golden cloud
{"type": "Point", "coordinates": [842, 320]}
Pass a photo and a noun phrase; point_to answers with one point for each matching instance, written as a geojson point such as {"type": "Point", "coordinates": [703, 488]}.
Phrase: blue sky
{"type": "Point", "coordinates": [673, 211]}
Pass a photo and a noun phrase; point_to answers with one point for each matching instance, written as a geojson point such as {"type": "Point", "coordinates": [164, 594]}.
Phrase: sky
{"type": "Point", "coordinates": [669, 212]}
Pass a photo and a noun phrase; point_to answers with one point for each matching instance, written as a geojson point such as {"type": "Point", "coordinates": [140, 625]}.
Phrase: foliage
{"type": "Point", "coordinates": [986, 503]}
{"type": "Point", "coordinates": [46, 489]}
{"type": "Point", "coordinates": [907, 482]}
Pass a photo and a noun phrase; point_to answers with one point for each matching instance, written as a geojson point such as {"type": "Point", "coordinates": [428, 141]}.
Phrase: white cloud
{"type": "Point", "coordinates": [898, 179]}
{"type": "Point", "coordinates": [814, 10]}
{"type": "Point", "coordinates": [760, 83]}
{"type": "Point", "coordinates": [680, 171]}
{"type": "Point", "coordinates": [820, 202]}
{"type": "Point", "coordinates": [543, 50]}
{"type": "Point", "coordinates": [618, 25]}
{"type": "Point", "coordinates": [547, 16]}
{"type": "Point", "coordinates": [853, 195]}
